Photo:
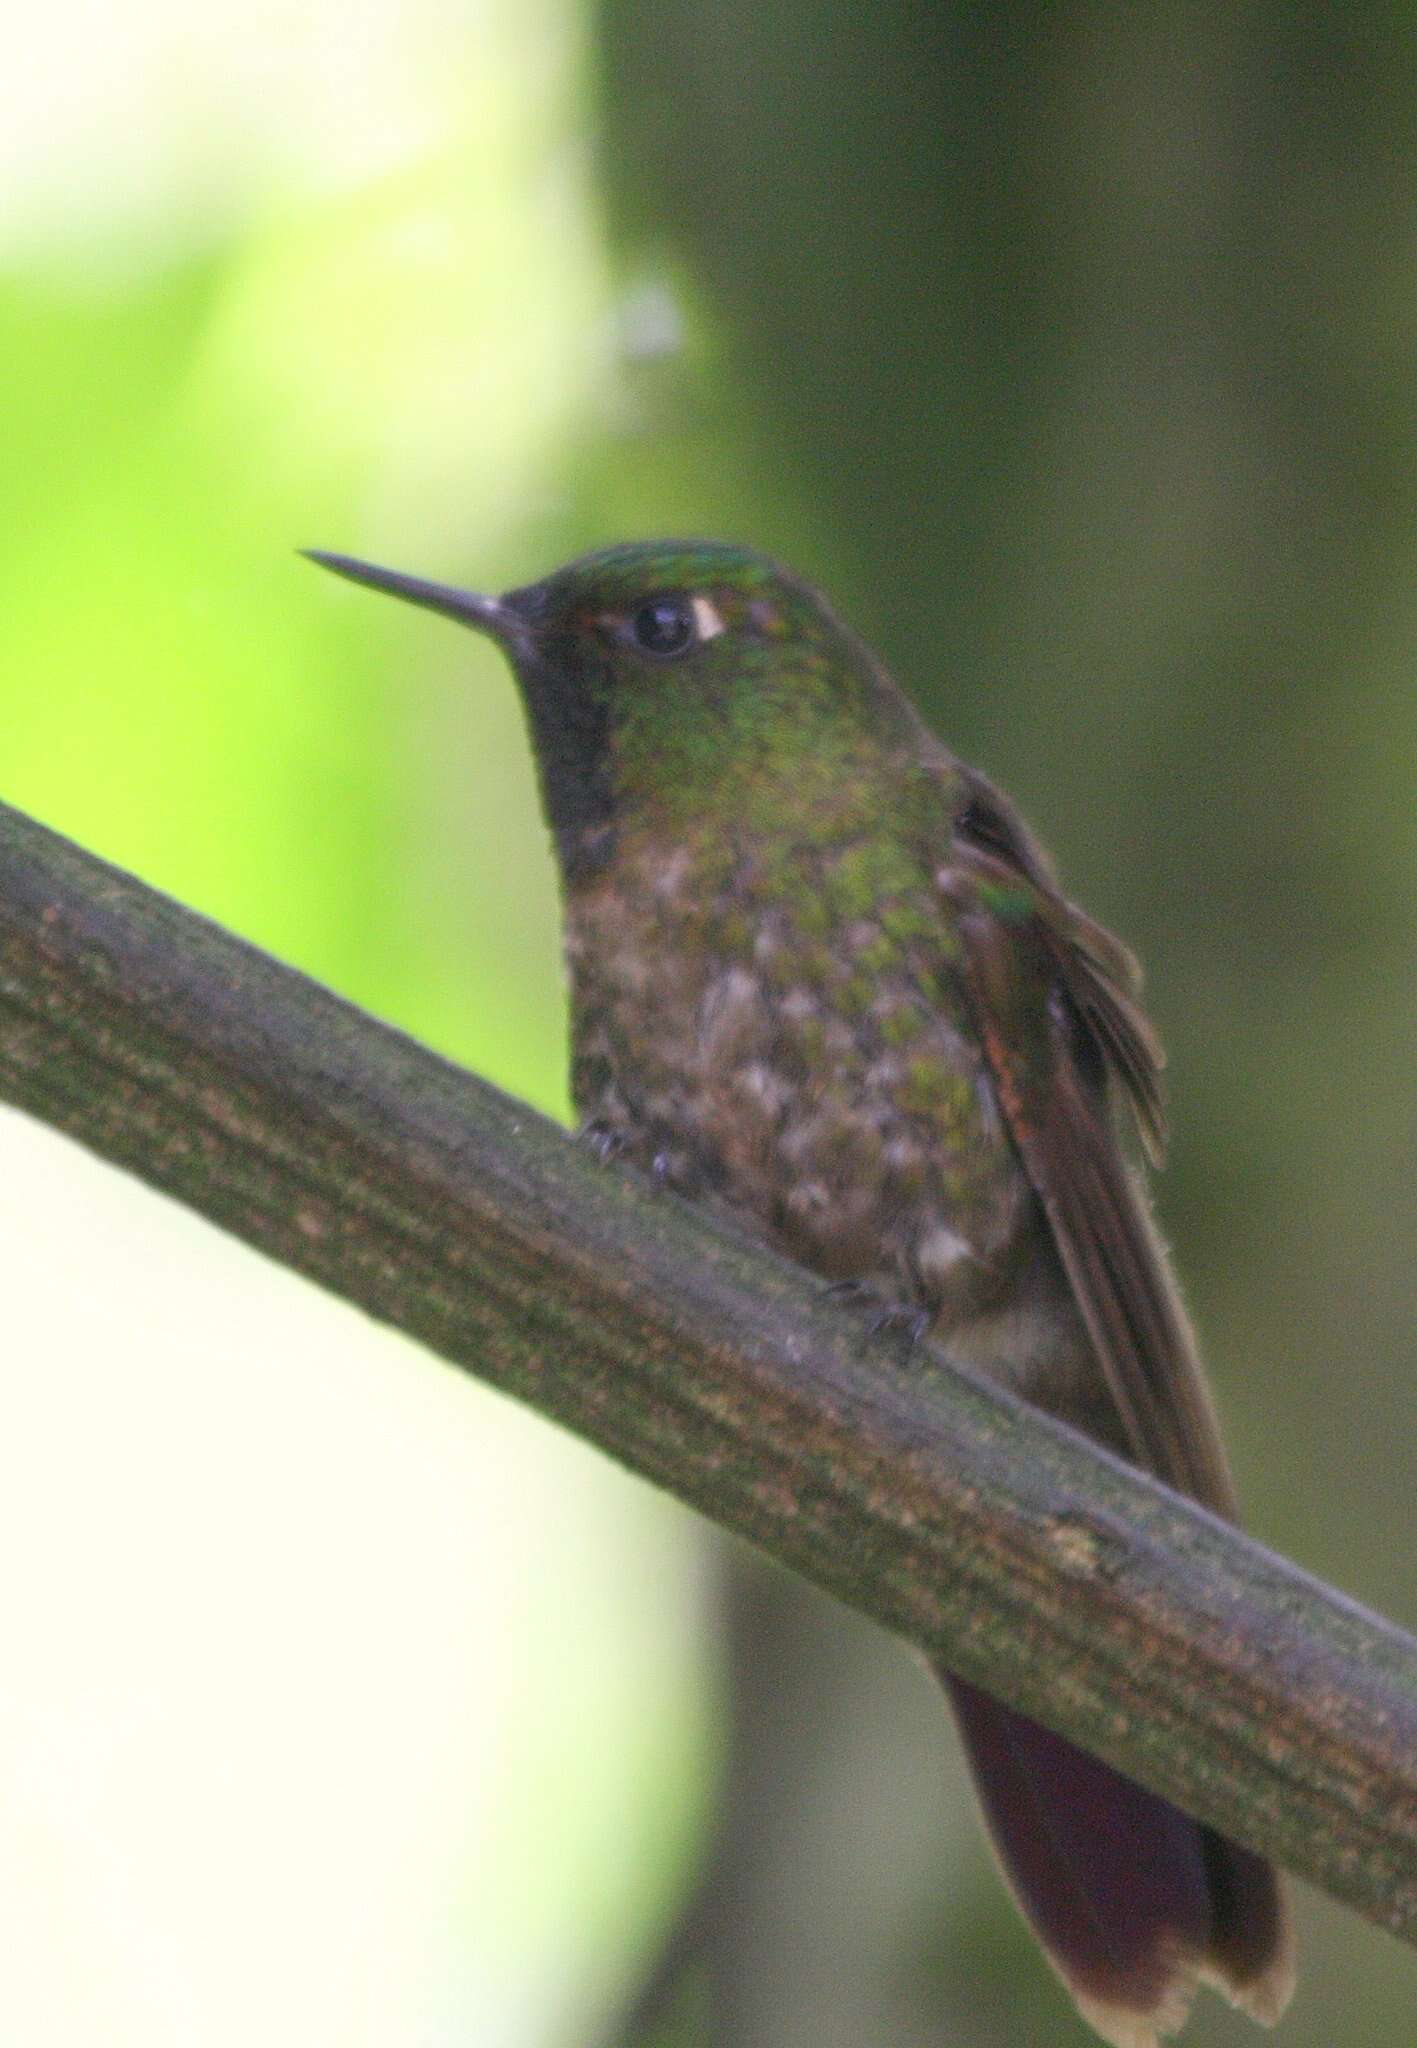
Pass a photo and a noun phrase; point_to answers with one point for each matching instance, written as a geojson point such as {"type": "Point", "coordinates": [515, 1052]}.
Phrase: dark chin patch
{"type": "Point", "coordinates": [568, 704]}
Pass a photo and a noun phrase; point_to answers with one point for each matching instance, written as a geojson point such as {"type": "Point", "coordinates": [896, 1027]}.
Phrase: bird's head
{"type": "Point", "coordinates": [664, 674]}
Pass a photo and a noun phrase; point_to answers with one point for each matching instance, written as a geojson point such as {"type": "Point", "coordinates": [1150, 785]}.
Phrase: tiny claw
{"type": "Point", "coordinates": [903, 1316]}
{"type": "Point", "coordinates": [603, 1140]}
{"type": "Point", "coordinates": [912, 1323]}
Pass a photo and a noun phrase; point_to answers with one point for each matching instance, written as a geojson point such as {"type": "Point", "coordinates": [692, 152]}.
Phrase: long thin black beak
{"type": "Point", "coordinates": [468, 607]}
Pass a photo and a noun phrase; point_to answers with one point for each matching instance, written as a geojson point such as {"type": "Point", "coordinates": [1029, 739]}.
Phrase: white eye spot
{"type": "Point", "coordinates": [707, 617]}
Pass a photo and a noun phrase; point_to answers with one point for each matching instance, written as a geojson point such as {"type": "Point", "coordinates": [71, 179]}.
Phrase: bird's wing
{"type": "Point", "coordinates": [1055, 1000]}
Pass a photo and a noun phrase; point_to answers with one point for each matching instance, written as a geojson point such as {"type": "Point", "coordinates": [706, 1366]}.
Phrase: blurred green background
{"type": "Point", "coordinates": [1075, 351]}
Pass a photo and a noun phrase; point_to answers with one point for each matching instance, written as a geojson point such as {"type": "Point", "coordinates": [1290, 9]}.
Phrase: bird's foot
{"type": "Point", "coordinates": [603, 1139]}
{"type": "Point", "coordinates": [899, 1318]}
{"type": "Point", "coordinates": [895, 1317]}
{"type": "Point", "coordinates": [608, 1142]}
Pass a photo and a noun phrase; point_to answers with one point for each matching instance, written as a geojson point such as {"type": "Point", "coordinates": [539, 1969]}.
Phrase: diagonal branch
{"type": "Point", "coordinates": [993, 1538]}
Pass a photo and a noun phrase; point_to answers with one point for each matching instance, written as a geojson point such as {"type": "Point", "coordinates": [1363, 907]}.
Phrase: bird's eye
{"type": "Point", "coordinates": [665, 626]}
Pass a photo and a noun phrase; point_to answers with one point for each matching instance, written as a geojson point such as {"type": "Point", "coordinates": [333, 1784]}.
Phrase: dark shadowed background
{"type": "Point", "coordinates": [1075, 352]}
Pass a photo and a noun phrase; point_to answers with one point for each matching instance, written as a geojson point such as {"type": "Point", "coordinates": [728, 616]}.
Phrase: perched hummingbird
{"type": "Point", "coordinates": [823, 973]}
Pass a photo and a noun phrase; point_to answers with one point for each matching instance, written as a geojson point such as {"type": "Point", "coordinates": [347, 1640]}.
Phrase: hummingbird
{"type": "Point", "coordinates": [824, 976]}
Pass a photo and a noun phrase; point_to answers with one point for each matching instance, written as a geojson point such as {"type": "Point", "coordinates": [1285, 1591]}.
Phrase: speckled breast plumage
{"type": "Point", "coordinates": [795, 1045]}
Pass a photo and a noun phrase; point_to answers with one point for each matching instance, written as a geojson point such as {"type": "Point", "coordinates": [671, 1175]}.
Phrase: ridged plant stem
{"type": "Point", "coordinates": [996, 1540]}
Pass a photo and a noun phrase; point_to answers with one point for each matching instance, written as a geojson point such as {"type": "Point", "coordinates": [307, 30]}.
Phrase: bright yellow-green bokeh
{"type": "Point", "coordinates": [344, 1704]}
